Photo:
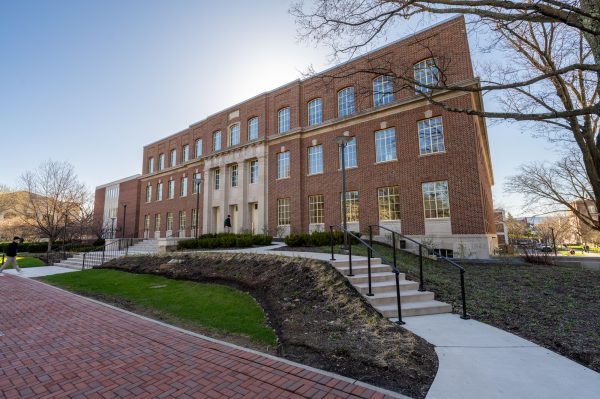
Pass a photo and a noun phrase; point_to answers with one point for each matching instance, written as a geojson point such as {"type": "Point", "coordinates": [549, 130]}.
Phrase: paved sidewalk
{"type": "Point", "coordinates": [60, 345]}
{"type": "Point", "coordinates": [39, 271]}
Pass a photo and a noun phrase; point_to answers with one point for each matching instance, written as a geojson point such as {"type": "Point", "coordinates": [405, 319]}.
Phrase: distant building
{"type": "Point", "coordinates": [582, 233]}
{"type": "Point", "coordinates": [501, 226]}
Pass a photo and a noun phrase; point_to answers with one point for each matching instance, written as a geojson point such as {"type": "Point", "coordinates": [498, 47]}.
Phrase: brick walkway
{"type": "Point", "coordinates": [59, 345]}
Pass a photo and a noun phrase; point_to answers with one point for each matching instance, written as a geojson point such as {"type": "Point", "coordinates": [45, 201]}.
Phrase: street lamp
{"type": "Point", "coordinates": [342, 142]}
{"type": "Point", "coordinates": [197, 181]}
{"type": "Point", "coordinates": [65, 234]}
{"type": "Point", "coordinates": [124, 219]}
{"type": "Point", "coordinates": [112, 228]}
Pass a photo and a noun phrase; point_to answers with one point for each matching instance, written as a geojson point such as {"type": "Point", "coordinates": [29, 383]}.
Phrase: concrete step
{"type": "Point", "coordinates": [342, 261]}
{"type": "Point", "coordinates": [363, 269]}
{"type": "Point", "coordinates": [408, 296]}
{"type": "Point", "coordinates": [386, 286]}
{"type": "Point", "coordinates": [375, 277]}
{"type": "Point", "coordinates": [420, 308]}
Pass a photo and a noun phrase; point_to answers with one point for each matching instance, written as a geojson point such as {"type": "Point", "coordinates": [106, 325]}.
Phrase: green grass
{"type": "Point", "coordinates": [210, 306]}
{"type": "Point", "coordinates": [26, 261]}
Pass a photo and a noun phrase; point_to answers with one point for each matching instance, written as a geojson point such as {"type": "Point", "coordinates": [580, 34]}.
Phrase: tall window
{"type": "Point", "coordinates": [346, 102]}
{"type": "Point", "coordinates": [315, 112]}
{"type": "Point", "coordinates": [159, 191]}
{"type": "Point", "coordinates": [350, 154]}
{"type": "Point", "coordinates": [426, 73]}
{"type": "Point", "coordinates": [283, 165]}
{"type": "Point", "coordinates": [169, 220]}
{"type": "Point", "coordinates": [161, 161]}
{"type": "Point", "coordinates": [252, 129]}
{"type": "Point", "coordinates": [315, 209]}
{"type": "Point", "coordinates": [198, 148]}
{"type": "Point", "coordinates": [283, 212]}
{"type": "Point", "coordinates": [217, 141]}
{"type": "Point", "coordinates": [234, 134]}
{"type": "Point", "coordinates": [151, 165]}
{"type": "Point", "coordinates": [385, 145]}
{"type": "Point", "coordinates": [351, 206]}
{"type": "Point", "coordinates": [148, 193]}
{"type": "Point", "coordinates": [196, 179]}
{"type": "Point", "coordinates": [435, 200]}
{"type": "Point", "coordinates": [146, 222]}
{"type": "Point", "coordinates": [431, 136]}
{"type": "Point", "coordinates": [185, 152]}
{"type": "Point", "coordinates": [173, 158]}
{"type": "Point", "coordinates": [315, 159]}
{"type": "Point", "coordinates": [284, 119]}
{"type": "Point", "coordinates": [233, 170]}
{"type": "Point", "coordinates": [253, 171]}
{"type": "Point", "coordinates": [157, 222]}
{"type": "Point", "coordinates": [194, 217]}
{"type": "Point", "coordinates": [184, 187]}
{"type": "Point", "coordinates": [171, 193]}
{"type": "Point", "coordinates": [217, 178]}
{"type": "Point", "coordinates": [389, 203]}
{"type": "Point", "coordinates": [182, 220]}
{"type": "Point", "coordinates": [383, 90]}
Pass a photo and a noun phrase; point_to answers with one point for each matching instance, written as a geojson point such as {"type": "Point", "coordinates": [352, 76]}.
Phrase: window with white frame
{"type": "Point", "coordinates": [194, 218]}
{"type": "Point", "coordinates": [185, 152]}
{"type": "Point", "coordinates": [182, 220]}
{"type": "Point", "coordinates": [161, 161]}
{"type": "Point", "coordinates": [346, 102]}
{"type": "Point", "coordinates": [146, 222]}
{"type": "Point", "coordinates": [383, 90]}
{"type": "Point", "coordinates": [283, 165]}
{"type": "Point", "coordinates": [385, 145]}
{"type": "Point", "coordinates": [315, 112]}
{"type": "Point", "coordinates": [435, 200]}
{"type": "Point", "coordinates": [173, 158]}
{"type": "Point", "coordinates": [169, 220]}
{"type": "Point", "coordinates": [234, 134]}
{"type": "Point", "coordinates": [171, 190]}
{"type": "Point", "coordinates": [184, 187]}
{"type": "Point", "coordinates": [389, 203]}
{"type": "Point", "coordinates": [349, 154]}
{"type": "Point", "coordinates": [217, 141]}
{"type": "Point", "coordinates": [254, 171]}
{"type": "Point", "coordinates": [159, 192]}
{"type": "Point", "coordinates": [283, 212]}
{"type": "Point", "coordinates": [151, 165]}
{"type": "Point", "coordinates": [431, 136]}
{"type": "Point", "coordinates": [316, 206]}
{"type": "Point", "coordinates": [351, 206]}
{"type": "Point", "coordinates": [217, 178]}
{"type": "Point", "coordinates": [426, 74]}
{"type": "Point", "coordinates": [196, 180]}
{"type": "Point", "coordinates": [148, 193]}
{"type": "Point", "coordinates": [198, 148]}
{"type": "Point", "coordinates": [283, 117]}
{"type": "Point", "coordinates": [233, 171]}
{"type": "Point", "coordinates": [253, 129]}
{"type": "Point", "coordinates": [157, 222]}
{"type": "Point", "coordinates": [315, 159]}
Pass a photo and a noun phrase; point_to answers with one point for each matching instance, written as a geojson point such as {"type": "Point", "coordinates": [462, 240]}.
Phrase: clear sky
{"type": "Point", "coordinates": [91, 82]}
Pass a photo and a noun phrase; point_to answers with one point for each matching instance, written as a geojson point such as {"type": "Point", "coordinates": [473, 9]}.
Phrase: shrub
{"type": "Point", "coordinates": [225, 240]}
{"type": "Point", "coordinates": [244, 241]}
{"type": "Point", "coordinates": [297, 240]}
{"type": "Point", "coordinates": [318, 239]}
{"type": "Point", "coordinates": [262, 239]}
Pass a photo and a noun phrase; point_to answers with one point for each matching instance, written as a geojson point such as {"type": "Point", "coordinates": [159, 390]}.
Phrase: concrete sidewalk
{"type": "Point", "coordinates": [38, 271]}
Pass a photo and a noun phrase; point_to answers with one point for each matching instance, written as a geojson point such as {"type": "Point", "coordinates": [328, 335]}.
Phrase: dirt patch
{"type": "Point", "coordinates": [319, 318]}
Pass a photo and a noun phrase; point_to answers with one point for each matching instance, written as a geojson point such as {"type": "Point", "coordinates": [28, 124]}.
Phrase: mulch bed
{"type": "Point", "coordinates": [320, 320]}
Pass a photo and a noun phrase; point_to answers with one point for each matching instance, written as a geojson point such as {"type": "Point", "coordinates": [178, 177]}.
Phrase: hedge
{"type": "Point", "coordinates": [225, 240]}
{"type": "Point", "coordinates": [318, 239]}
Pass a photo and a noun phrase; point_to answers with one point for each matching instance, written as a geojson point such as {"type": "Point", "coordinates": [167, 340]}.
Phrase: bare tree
{"type": "Point", "coordinates": [54, 193]}
{"type": "Point", "coordinates": [549, 74]}
{"type": "Point", "coordinates": [557, 228]}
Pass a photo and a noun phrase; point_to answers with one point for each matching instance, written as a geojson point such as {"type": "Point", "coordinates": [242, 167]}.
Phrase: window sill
{"type": "Point", "coordinates": [283, 178]}
{"type": "Point", "coordinates": [348, 168]}
{"type": "Point", "coordinates": [314, 174]}
{"type": "Point", "coordinates": [381, 162]}
{"type": "Point", "coordinates": [432, 153]}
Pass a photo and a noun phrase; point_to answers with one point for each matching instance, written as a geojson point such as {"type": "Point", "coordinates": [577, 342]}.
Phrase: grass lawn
{"type": "Point", "coordinates": [211, 306]}
{"type": "Point", "coordinates": [554, 306]}
{"type": "Point", "coordinates": [26, 261]}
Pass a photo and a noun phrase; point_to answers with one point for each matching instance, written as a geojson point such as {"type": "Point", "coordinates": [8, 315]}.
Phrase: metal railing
{"type": "Point", "coordinates": [114, 249]}
{"type": "Point", "coordinates": [370, 251]}
{"type": "Point", "coordinates": [422, 246]}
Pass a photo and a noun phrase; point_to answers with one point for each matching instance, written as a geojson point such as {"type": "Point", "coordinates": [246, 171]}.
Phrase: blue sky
{"type": "Point", "coordinates": [91, 82]}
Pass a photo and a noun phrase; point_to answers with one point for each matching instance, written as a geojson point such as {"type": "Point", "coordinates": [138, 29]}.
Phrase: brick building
{"type": "Point", "coordinates": [273, 164]}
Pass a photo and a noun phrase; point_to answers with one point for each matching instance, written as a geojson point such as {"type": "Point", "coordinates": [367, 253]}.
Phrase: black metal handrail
{"type": "Point", "coordinates": [461, 269]}
{"type": "Point", "coordinates": [370, 251]}
{"type": "Point", "coordinates": [117, 247]}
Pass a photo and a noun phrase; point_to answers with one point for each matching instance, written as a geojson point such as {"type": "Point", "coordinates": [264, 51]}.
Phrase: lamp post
{"type": "Point", "coordinates": [124, 219]}
{"type": "Point", "coordinates": [197, 183]}
{"type": "Point", "coordinates": [112, 228]}
{"type": "Point", "coordinates": [65, 234]}
{"type": "Point", "coordinates": [342, 142]}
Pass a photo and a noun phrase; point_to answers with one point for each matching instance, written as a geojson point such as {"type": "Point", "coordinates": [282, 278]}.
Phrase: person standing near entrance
{"type": "Point", "coordinates": [11, 255]}
{"type": "Point", "coordinates": [227, 224]}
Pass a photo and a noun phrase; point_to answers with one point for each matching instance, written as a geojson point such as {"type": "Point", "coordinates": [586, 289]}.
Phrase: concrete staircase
{"type": "Point", "coordinates": [383, 286]}
{"type": "Point", "coordinates": [95, 258]}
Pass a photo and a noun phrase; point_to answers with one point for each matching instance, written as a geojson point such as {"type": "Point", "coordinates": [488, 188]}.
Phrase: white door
{"type": "Point", "coordinates": [254, 217]}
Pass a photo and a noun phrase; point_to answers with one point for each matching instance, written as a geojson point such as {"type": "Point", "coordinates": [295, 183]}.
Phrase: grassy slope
{"type": "Point", "coordinates": [209, 305]}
